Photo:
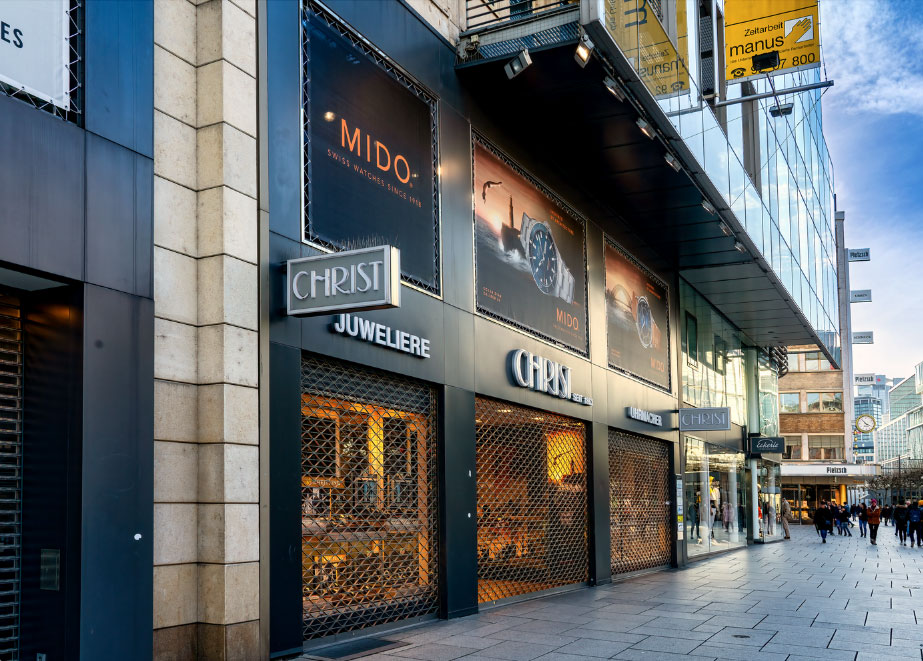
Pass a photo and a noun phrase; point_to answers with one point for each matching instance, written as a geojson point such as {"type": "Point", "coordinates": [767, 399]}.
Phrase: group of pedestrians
{"type": "Point", "coordinates": [907, 519]}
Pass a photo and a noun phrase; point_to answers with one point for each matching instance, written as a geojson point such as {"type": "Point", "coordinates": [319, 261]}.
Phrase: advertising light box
{"type": "Point", "coordinates": [758, 27]}
{"type": "Point", "coordinates": [369, 156]}
{"type": "Point", "coordinates": [34, 50]}
{"type": "Point", "coordinates": [530, 253]}
{"type": "Point", "coordinates": [637, 313]}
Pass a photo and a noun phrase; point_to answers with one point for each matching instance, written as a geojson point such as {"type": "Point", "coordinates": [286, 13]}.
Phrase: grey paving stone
{"type": "Point", "coordinates": [632, 654]}
{"type": "Point", "coordinates": [809, 652]}
{"type": "Point", "coordinates": [514, 650]}
{"type": "Point", "coordinates": [595, 648]}
{"type": "Point", "coordinates": [615, 636]}
{"type": "Point", "coordinates": [554, 640]}
{"type": "Point", "coordinates": [547, 626]}
{"type": "Point", "coordinates": [432, 652]}
{"type": "Point", "coordinates": [803, 637]}
{"type": "Point", "coordinates": [862, 636]}
{"type": "Point", "coordinates": [557, 656]}
{"type": "Point", "coordinates": [743, 620]}
{"type": "Point", "coordinates": [474, 642]}
{"type": "Point", "coordinates": [735, 636]}
{"type": "Point", "coordinates": [736, 653]}
{"type": "Point", "coordinates": [665, 644]}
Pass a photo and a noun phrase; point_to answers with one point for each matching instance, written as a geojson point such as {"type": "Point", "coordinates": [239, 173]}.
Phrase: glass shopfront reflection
{"type": "Point", "coordinates": [769, 487]}
{"type": "Point", "coordinates": [716, 498]}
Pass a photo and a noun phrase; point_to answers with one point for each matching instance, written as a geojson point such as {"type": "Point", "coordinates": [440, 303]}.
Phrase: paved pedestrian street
{"type": "Point", "coordinates": [791, 600]}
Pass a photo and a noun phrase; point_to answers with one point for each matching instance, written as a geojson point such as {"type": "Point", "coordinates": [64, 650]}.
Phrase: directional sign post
{"type": "Point", "coordinates": [863, 337]}
{"type": "Point", "coordinates": [860, 296]}
{"type": "Point", "coordinates": [859, 254]}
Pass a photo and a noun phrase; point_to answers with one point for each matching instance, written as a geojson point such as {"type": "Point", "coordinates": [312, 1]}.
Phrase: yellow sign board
{"type": "Point", "coordinates": [641, 36]}
{"type": "Point", "coordinates": [755, 27]}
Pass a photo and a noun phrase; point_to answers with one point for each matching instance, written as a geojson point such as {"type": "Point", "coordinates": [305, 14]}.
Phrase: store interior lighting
{"type": "Point", "coordinates": [613, 87]}
{"type": "Point", "coordinates": [518, 64]}
{"type": "Point", "coordinates": [709, 207]}
{"type": "Point", "coordinates": [646, 128]}
{"type": "Point", "coordinates": [584, 50]}
{"type": "Point", "coordinates": [673, 162]}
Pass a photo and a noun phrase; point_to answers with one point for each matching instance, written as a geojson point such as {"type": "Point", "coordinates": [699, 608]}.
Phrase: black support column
{"type": "Point", "coordinates": [598, 513]}
{"type": "Point", "coordinates": [457, 505]}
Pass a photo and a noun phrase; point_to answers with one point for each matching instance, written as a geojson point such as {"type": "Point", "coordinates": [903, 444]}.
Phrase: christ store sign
{"type": "Point", "coordinates": [544, 375]}
{"type": "Point", "coordinates": [366, 279]}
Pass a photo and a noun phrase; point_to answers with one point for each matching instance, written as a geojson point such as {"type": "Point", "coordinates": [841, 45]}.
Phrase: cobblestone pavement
{"type": "Point", "coordinates": [793, 600]}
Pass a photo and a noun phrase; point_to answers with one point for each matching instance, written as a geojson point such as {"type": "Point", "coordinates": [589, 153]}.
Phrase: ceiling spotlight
{"type": "Point", "coordinates": [727, 231]}
{"type": "Point", "coordinates": [614, 88]}
{"type": "Point", "coordinates": [646, 128]}
{"type": "Point", "coordinates": [672, 161]}
{"type": "Point", "coordinates": [709, 207]}
{"type": "Point", "coordinates": [584, 50]}
{"type": "Point", "coordinates": [739, 247]}
{"type": "Point", "coordinates": [518, 64]}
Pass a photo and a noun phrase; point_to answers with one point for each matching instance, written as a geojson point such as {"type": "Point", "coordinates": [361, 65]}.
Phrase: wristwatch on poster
{"type": "Point", "coordinates": [548, 269]}
{"type": "Point", "coordinates": [648, 331]}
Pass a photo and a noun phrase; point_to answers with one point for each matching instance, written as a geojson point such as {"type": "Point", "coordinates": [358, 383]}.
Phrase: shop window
{"type": "Point", "coordinates": [826, 447]}
{"type": "Point", "coordinates": [639, 510]}
{"type": "Point", "coordinates": [369, 511]}
{"type": "Point", "coordinates": [789, 402]}
{"type": "Point", "coordinates": [692, 340]}
{"type": "Point", "coordinates": [715, 498]}
{"type": "Point", "coordinates": [825, 402]}
{"type": "Point", "coordinates": [531, 500]}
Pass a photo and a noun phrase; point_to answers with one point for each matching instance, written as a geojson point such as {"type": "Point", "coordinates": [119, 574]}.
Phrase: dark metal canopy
{"type": "Point", "coordinates": [586, 145]}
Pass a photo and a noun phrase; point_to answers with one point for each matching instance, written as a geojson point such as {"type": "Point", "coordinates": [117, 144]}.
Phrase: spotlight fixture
{"type": "Point", "coordinates": [739, 247]}
{"type": "Point", "coordinates": [766, 61]}
{"type": "Point", "coordinates": [584, 50]}
{"type": "Point", "coordinates": [646, 128]}
{"type": "Point", "coordinates": [329, 116]}
{"type": "Point", "coordinates": [613, 86]}
{"type": "Point", "coordinates": [709, 208]}
{"type": "Point", "coordinates": [781, 110]}
{"type": "Point", "coordinates": [673, 162]}
{"type": "Point", "coordinates": [727, 231]}
{"type": "Point", "coordinates": [518, 64]}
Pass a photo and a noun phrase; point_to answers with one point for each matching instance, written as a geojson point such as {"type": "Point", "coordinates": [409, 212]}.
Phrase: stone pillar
{"type": "Point", "coordinates": [206, 472]}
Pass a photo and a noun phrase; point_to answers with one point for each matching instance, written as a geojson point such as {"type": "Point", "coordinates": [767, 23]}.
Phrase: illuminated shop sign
{"type": "Point", "coordinates": [544, 375]}
{"type": "Point", "coordinates": [705, 419]}
{"type": "Point", "coordinates": [366, 279]}
{"type": "Point", "coordinates": [644, 416]}
{"type": "Point", "coordinates": [360, 328]}
{"type": "Point", "coordinates": [529, 253]}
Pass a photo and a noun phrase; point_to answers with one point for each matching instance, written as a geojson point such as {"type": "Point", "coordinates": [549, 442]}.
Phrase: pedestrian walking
{"type": "Point", "coordinates": [853, 511]}
{"type": "Point", "coordinates": [693, 514]}
{"type": "Point", "coordinates": [914, 526]}
{"type": "Point", "coordinates": [874, 514]}
{"type": "Point", "coordinates": [886, 514]}
{"type": "Point", "coordinates": [862, 513]}
{"type": "Point", "coordinates": [900, 523]}
{"type": "Point", "coordinates": [786, 515]}
{"type": "Point", "coordinates": [822, 521]}
{"type": "Point", "coordinates": [844, 521]}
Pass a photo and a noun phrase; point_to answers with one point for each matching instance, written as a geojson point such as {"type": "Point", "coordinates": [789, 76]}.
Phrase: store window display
{"type": "Point", "coordinates": [715, 496]}
{"type": "Point", "coordinates": [769, 500]}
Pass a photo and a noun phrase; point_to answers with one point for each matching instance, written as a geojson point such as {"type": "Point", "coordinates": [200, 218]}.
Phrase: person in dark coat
{"type": "Point", "coordinates": [844, 521]}
{"type": "Point", "coordinates": [822, 521]}
{"type": "Point", "coordinates": [874, 514]}
{"type": "Point", "coordinates": [900, 523]}
{"type": "Point", "coordinates": [862, 513]}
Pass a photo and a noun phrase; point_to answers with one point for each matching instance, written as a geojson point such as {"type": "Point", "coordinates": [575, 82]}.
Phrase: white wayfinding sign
{"type": "Point", "coordinates": [863, 337]}
{"type": "Point", "coordinates": [859, 254]}
{"type": "Point", "coordinates": [860, 296]}
{"type": "Point", "coordinates": [34, 51]}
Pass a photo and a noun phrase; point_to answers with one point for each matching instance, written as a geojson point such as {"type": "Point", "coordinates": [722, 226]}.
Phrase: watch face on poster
{"type": "Point", "coordinates": [530, 253]}
{"type": "Point", "coordinates": [637, 311]}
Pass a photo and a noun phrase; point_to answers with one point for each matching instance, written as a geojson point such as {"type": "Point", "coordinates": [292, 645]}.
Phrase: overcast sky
{"type": "Point", "coordinates": [873, 122]}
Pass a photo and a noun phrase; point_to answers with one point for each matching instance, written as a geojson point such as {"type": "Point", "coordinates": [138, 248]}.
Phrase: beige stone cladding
{"type": "Point", "coordinates": [206, 435]}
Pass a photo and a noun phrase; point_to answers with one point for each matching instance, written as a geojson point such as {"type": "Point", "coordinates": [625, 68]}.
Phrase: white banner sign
{"type": "Point", "coordinates": [860, 296]}
{"type": "Point", "coordinates": [863, 337]}
{"type": "Point", "coordinates": [859, 254]}
{"type": "Point", "coordinates": [34, 52]}
{"type": "Point", "coordinates": [864, 379]}
{"type": "Point", "coordinates": [799, 469]}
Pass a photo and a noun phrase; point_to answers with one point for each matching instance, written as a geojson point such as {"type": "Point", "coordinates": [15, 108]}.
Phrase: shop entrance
{"type": "Point", "coordinates": [639, 497]}
{"type": "Point", "coordinates": [531, 500]}
{"type": "Point", "coordinates": [369, 490]}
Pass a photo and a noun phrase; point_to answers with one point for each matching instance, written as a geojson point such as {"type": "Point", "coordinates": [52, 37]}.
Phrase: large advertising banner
{"type": "Point", "coordinates": [34, 50]}
{"type": "Point", "coordinates": [370, 155]}
{"type": "Point", "coordinates": [530, 253]}
{"type": "Point", "coordinates": [644, 41]}
{"type": "Point", "coordinates": [754, 27]}
{"type": "Point", "coordinates": [637, 315]}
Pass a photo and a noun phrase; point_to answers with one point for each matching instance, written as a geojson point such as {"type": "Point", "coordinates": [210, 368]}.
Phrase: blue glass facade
{"type": "Point", "coordinates": [774, 174]}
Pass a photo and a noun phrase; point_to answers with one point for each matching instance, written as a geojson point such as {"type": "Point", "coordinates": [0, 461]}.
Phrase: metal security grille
{"type": "Point", "coordinates": [11, 376]}
{"type": "Point", "coordinates": [369, 489]}
{"type": "Point", "coordinates": [639, 507]}
{"type": "Point", "coordinates": [531, 500]}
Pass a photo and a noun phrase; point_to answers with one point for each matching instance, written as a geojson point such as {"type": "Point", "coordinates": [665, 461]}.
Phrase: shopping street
{"type": "Point", "coordinates": [791, 600]}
